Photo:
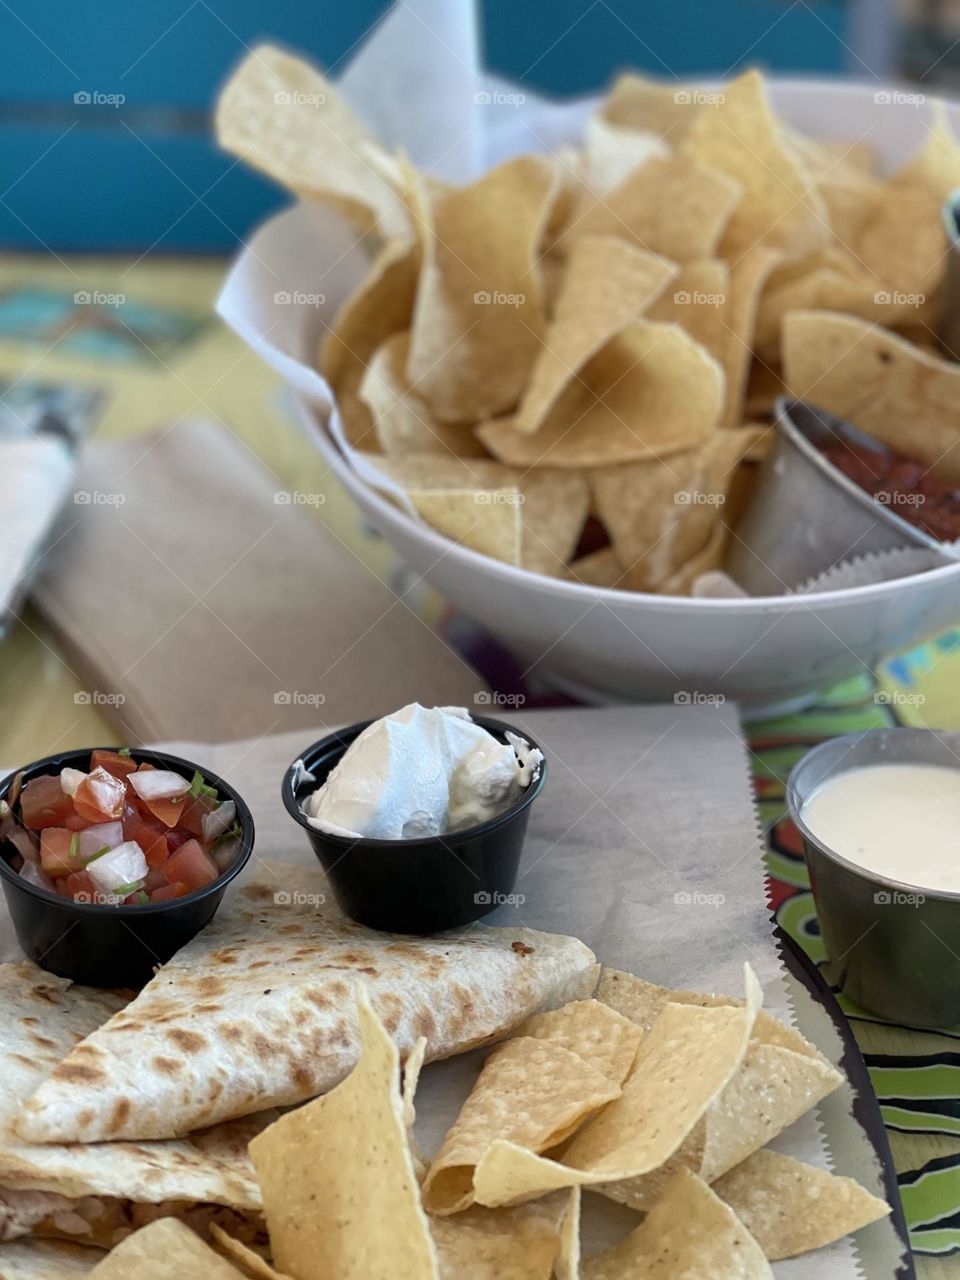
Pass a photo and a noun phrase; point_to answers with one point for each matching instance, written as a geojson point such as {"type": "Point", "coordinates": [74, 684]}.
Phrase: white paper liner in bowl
{"type": "Point", "coordinates": [877, 566]}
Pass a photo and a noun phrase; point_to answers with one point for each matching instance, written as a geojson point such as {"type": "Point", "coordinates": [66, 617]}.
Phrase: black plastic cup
{"type": "Point", "coordinates": [101, 945]}
{"type": "Point", "coordinates": [415, 886]}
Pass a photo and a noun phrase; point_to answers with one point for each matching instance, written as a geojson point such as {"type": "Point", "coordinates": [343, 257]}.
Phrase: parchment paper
{"type": "Point", "coordinates": [644, 844]}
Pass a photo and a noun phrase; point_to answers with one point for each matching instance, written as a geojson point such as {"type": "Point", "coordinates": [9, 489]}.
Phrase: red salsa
{"type": "Point", "coordinates": [118, 832]}
{"type": "Point", "coordinates": [908, 488]}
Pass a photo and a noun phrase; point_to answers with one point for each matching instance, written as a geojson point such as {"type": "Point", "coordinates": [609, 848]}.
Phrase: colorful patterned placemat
{"type": "Point", "coordinates": [916, 1074]}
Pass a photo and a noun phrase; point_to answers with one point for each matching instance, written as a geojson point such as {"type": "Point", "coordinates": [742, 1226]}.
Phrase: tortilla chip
{"type": "Point", "coordinates": [552, 513]}
{"type": "Point", "coordinates": [250, 1265]}
{"type": "Point", "coordinates": [747, 278]}
{"type": "Point", "coordinates": [166, 1250]}
{"type": "Point", "coordinates": [330, 1213]}
{"type": "Point", "coordinates": [501, 1244]}
{"type": "Point", "coordinates": [610, 152]}
{"type": "Point", "coordinates": [411, 1078]}
{"type": "Point", "coordinates": [532, 1092]}
{"type": "Point", "coordinates": [742, 138]}
{"type": "Point", "coordinates": [379, 308]}
{"type": "Point", "coordinates": [681, 1067]}
{"type": "Point", "coordinates": [708, 559]}
{"type": "Point", "coordinates": [903, 241]}
{"type": "Point", "coordinates": [607, 285]}
{"type": "Point", "coordinates": [689, 1232]}
{"type": "Point", "coordinates": [599, 569]}
{"type": "Point", "coordinates": [782, 1076]}
{"type": "Point", "coordinates": [674, 206]}
{"type": "Point", "coordinates": [906, 398]}
{"type": "Point", "coordinates": [479, 318]}
{"type": "Point", "coordinates": [485, 520]}
{"type": "Point", "coordinates": [284, 118]}
{"type": "Point", "coordinates": [697, 302]}
{"type": "Point", "coordinates": [401, 419]}
{"type": "Point", "coordinates": [591, 1030]}
{"type": "Point", "coordinates": [843, 178]}
{"type": "Point", "coordinates": [789, 1207]}
{"type": "Point", "coordinates": [643, 1002]}
{"type": "Point", "coordinates": [661, 513]}
{"type": "Point", "coordinates": [663, 107]}
{"type": "Point", "coordinates": [567, 1266]}
{"type": "Point", "coordinates": [650, 392]}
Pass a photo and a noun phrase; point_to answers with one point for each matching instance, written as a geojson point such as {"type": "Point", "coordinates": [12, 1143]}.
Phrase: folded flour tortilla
{"type": "Point", "coordinates": [99, 1193]}
{"type": "Point", "coordinates": [259, 1010]}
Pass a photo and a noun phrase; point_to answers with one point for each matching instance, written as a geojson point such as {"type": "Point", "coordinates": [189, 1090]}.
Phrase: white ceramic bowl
{"type": "Point", "coordinates": [608, 645]}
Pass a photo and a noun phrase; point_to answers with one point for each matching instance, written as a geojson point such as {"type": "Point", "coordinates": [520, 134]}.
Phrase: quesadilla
{"type": "Point", "coordinates": [259, 1010]}
{"type": "Point", "coordinates": [98, 1194]}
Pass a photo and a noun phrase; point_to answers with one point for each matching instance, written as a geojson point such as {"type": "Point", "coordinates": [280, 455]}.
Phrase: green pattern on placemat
{"type": "Point", "coordinates": [919, 1093]}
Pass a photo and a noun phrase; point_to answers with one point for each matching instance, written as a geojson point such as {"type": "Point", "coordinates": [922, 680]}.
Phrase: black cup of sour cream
{"type": "Point", "coordinates": [416, 886]}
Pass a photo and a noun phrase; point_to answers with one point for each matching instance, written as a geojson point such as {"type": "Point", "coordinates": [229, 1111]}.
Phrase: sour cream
{"type": "Point", "coordinates": [901, 821]}
{"type": "Point", "coordinates": [423, 771]}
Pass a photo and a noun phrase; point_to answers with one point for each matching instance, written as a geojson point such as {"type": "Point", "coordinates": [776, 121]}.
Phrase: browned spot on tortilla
{"type": "Point", "coordinates": [29, 1022]}
{"type": "Point", "coordinates": [168, 1066]}
{"type": "Point", "coordinates": [259, 964]}
{"type": "Point", "coordinates": [85, 1118]}
{"type": "Point", "coordinates": [318, 998]}
{"type": "Point", "coordinates": [78, 1073]}
{"type": "Point", "coordinates": [391, 1011]}
{"type": "Point", "coordinates": [233, 1034]}
{"type": "Point", "coordinates": [188, 1041]}
{"type": "Point", "coordinates": [119, 1115]}
{"type": "Point", "coordinates": [45, 993]}
{"type": "Point", "coordinates": [22, 1058]}
{"type": "Point", "coordinates": [207, 1008]}
{"type": "Point", "coordinates": [43, 1042]}
{"type": "Point", "coordinates": [424, 1024]}
{"type": "Point", "coordinates": [302, 1078]}
{"type": "Point", "coordinates": [263, 1048]}
{"type": "Point", "coordinates": [216, 1088]}
{"type": "Point", "coordinates": [210, 985]}
{"type": "Point", "coordinates": [521, 948]}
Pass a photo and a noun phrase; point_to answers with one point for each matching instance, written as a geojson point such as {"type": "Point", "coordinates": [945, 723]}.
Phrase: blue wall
{"type": "Point", "coordinates": [144, 174]}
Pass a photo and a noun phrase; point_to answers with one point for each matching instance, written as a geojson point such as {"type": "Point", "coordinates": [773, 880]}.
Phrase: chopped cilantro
{"type": "Point", "coordinates": [124, 751]}
{"type": "Point", "coordinates": [74, 845]}
{"type": "Point", "coordinates": [99, 854]}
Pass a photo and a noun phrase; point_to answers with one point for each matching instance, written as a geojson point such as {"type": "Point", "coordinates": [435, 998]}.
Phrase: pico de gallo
{"type": "Point", "coordinates": [119, 832]}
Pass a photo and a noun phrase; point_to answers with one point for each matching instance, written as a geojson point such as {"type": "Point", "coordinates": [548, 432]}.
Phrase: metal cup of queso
{"type": "Point", "coordinates": [893, 947]}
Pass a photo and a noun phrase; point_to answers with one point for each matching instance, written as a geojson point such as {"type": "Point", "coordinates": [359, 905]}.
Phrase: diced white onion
{"type": "Point", "coordinates": [158, 784]}
{"type": "Point", "coordinates": [70, 779]}
{"type": "Point", "coordinates": [224, 855]}
{"type": "Point", "coordinates": [106, 835]}
{"type": "Point", "coordinates": [214, 824]}
{"type": "Point", "coordinates": [121, 866]}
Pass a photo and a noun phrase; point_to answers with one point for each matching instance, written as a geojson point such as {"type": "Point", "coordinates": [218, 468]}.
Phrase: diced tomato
{"type": "Point", "coordinates": [192, 864]}
{"type": "Point", "coordinates": [79, 887]}
{"type": "Point", "coordinates": [168, 891]}
{"type": "Point", "coordinates": [113, 762]}
{"type": "Point", "coordinates": [76, 823]}
{"type": "Point", "coordinates": [100, 796]}
{"type": "Point", "coordinates": [155, 880]}
{"type": "Point", "coordinates": [192, 817]}
{"type": "Point", "coordinates": [177, 838]}
{"type": "Point", "coordinates": [43, 803]}
{"type": "Point", "coordinates": [169, 811]}
{"type": "Point", "coordinates": [148, 834]}
{"type": "Point", "coordinates": [55, 852]}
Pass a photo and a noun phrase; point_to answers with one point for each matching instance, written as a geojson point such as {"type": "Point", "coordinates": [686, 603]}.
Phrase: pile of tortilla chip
{"type": "Point", "coordinates": [661, 1100]}
{"type": "Point", "coordinates": [570, 364]}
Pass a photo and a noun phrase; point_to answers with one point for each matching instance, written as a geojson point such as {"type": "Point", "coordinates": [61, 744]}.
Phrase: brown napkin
{"type": "Point", "coordinates": [218, 611]}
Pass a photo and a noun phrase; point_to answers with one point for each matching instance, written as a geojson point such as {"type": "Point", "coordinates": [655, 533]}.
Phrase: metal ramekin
{"type": "Point", "coordinates": [805, 516]}
{"type": "Point", "coordinates": [894, 947]}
